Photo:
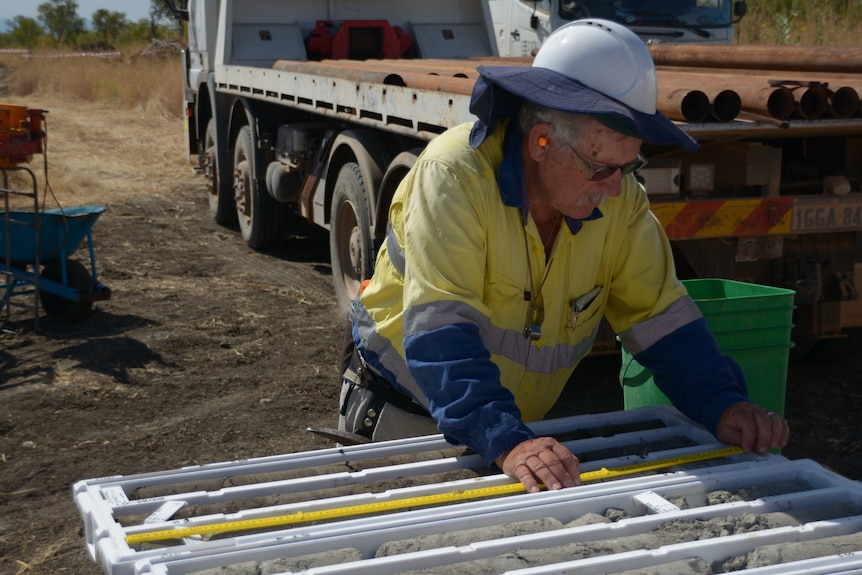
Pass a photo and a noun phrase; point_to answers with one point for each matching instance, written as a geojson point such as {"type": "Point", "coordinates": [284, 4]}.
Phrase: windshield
{"type": "Point", "coordinates": [694, 13]}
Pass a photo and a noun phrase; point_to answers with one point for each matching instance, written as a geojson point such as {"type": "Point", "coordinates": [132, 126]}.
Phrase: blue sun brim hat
{"type": "Point", "coordinates": [500, 90]}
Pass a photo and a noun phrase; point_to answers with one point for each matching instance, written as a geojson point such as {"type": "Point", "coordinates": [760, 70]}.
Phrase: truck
{"type": "Point", "coordinates": [311, 113]}
{"type": "Point", "coordinates": [521, 26]}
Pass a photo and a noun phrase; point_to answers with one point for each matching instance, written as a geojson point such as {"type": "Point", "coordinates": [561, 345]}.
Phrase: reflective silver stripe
{"type": "Point", "coordinates": [391, 359]}
{"type": "Point", "coordinates": [509, 343]}
{"type": "Point", "coordinates": [396, 254]}
{"type": "Point", "coordinates": [439, 314]}
{"type": "Point", "coordinates": [639, 337]}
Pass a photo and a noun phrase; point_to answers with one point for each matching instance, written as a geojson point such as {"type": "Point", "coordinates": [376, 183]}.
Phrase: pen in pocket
{"type": "Point", "coordinates": [583, 303]}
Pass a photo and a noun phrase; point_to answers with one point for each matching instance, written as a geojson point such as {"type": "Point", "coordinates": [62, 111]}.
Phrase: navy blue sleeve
{"type": "Point", "coordinates": [689, 368]}
{"type": "Point", "coordinates": [462, 385]}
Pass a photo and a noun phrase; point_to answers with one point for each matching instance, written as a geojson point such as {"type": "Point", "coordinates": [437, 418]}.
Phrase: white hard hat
{"type": "Point", "coordinates": [591, 66]}
{"type": "Point", "coordinates": [607, 57]}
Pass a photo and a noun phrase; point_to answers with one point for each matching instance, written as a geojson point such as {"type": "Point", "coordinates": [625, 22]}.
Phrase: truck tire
{"type": "Point", "coordinates": [219, 192]}
{"type": "Point", "coordinates": [60, 308]}
{"type": "Point", "coordinates": [350, 245]}
{"type": "Point", "coordinates": [260, 216]}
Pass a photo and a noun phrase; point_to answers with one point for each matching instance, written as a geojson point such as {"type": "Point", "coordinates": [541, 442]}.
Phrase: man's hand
{"type": "Point", "coordinates": [541, 460]}
{"type": "Point", "coordinates": [752, 427]}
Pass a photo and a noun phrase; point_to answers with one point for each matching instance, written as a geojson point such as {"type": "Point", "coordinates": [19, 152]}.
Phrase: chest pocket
{"type": "Point", "coordinates": [584, 310]}
{"type": "Point", "coordinates": [581, 319]}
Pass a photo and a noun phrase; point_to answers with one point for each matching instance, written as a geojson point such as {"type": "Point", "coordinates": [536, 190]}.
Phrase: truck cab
{"type": "Point", "coordinates": [522, 25]}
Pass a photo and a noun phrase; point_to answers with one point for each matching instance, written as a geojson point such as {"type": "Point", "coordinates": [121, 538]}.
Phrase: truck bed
{"type": "Point", "coordinates": [423, 97]}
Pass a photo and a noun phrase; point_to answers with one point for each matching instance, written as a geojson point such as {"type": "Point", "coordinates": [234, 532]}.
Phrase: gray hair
{"type": "Point", "coordinates": [566, 127]}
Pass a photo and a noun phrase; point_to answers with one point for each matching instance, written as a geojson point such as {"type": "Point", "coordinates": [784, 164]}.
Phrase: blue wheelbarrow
{"type": "Point", "coordinates": [39, 263]}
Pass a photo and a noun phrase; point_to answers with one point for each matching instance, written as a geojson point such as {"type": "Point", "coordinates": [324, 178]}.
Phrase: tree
{"type": "Point", "coordinates": [60, 18]}
{"type": "Point", "coordinates": [160, 13]}
{"type": "Point", "coordinates": [108, 25]}
{"type": "Point", "coordinates": [139, 31]}
{"type": "Point", "coordinates": [25, 32]}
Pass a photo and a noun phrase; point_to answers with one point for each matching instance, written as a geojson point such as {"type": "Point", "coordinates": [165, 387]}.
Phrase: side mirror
{"type": "Point", "coordinates": [534, 22]}
{"type": "Point", "coordinates": [740, 9]}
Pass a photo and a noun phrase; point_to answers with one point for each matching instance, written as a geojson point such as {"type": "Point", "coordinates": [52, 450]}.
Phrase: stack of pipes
{"type": "Point", "coordinates": [778, 82]}
{"type": "Point", "coordinates": [697, 83]}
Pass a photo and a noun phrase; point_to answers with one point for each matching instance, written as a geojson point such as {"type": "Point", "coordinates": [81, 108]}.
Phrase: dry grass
{"type": "Point", "coordinates": [104, 155]}
{"type": "Point", "coordinates": [149, 85]}
{"type": "Point", "coordinates": [98, 108]}
{"type": "Point", "coordinates": [802, 22]}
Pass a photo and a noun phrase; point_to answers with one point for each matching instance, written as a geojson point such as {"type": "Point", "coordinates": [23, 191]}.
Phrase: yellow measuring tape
{"type": "Point", "coordinates": [410, 502]}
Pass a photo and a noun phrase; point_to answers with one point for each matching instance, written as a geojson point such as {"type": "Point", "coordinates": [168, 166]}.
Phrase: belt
{"type": "Point", "coordinates": [366, 377]}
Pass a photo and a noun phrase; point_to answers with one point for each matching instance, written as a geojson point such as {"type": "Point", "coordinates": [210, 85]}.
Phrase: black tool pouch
{"type": "Point", "coordinates": [359, 375]}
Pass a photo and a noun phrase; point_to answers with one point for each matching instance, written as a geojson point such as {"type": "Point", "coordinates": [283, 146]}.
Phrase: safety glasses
{"type": "Point", "coordinates": [597, 171]}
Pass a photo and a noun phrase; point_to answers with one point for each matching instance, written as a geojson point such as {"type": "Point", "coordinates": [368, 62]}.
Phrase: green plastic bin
{"type": "Point", "coordinates": [751, 324]}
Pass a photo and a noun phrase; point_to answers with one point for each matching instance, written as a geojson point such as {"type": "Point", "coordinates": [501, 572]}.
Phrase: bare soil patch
{"type": "Point", "coordinates": [209, 351]}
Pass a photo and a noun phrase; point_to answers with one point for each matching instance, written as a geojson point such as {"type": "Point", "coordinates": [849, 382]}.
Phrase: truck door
{"type": "Point", "coordinates": [520, 25]}
{"type": "Point", "coordinates": [202, 37]}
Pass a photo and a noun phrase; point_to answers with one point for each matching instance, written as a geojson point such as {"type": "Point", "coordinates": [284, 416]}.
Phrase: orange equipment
{"type": "Point", "coordinates": [21, 134]}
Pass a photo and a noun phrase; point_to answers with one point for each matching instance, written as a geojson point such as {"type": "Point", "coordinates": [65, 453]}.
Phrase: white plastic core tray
{"type": "Point", "coordinates": [725, 509]}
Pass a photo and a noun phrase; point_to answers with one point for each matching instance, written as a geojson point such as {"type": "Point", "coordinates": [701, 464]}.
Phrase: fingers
{"type": "Point", "coordinates": [570, 465]}
{"type": "Point", "coordinates": [763, 421]}
{"type": "Point", "coordinates": [771, 430]}
{"type": "Point", "coordinates": [753, 428]}
{"type": "Point", "coordinates": [524, 474]}
{"type": "Point", "coordinates": [754, 425]}
{"type": "Point", "coordinates": [780, 430]}
{"type": "Point", "coordinates": [542, 460]}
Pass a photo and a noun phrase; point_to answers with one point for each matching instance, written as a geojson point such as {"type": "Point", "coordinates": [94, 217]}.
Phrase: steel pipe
{"type": "Point", "coordinates": [463, 86]}
{"type": "Point", "coordinates": [364, 72]}
{"type": "Point", "coordinates": [684, 105]}
{"type": "Point", "coordinates": [451, 68]}
{"type": "Point", "coordinates": [798, 58]}
{"type": "Point", "coordinates": [844, 102]}
{"type": "Point", "coordinates": [314, 69]}
{"type": "Point", "coordinates": [811, 102]}
{"type": "Point", "coordinates": [439, 67]}
{"type": "Point", "coordinates": [773, 101]}
{"type": "Point", "coordinates": [725, 105]}
{"type": "Point", "coordinates": [759, 94]}
{"type": "Point", "coordinates": [810, 74]}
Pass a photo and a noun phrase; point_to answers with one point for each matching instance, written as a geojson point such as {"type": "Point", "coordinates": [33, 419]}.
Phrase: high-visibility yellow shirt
{"type": "Point", "coordinates": [465, 273]}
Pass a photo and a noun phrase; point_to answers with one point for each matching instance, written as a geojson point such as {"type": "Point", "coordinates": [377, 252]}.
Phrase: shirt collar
{"type": "Point", "coordinates": [510, 179]}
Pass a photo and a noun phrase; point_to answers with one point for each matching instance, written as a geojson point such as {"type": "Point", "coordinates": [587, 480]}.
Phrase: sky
{"type": "Point", "coordinates": [134, 9]}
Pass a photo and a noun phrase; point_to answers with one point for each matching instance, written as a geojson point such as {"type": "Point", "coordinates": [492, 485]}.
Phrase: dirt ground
{"type": "Point", "coordinates": [208, 351]}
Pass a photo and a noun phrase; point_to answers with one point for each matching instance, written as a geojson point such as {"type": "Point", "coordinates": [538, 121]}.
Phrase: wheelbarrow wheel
{"type": "Point", "coordinates": [60, 308]}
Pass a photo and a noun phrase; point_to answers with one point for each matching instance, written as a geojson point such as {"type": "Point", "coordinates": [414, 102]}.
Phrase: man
{"type": "Point", "coordinates": [510, 239]}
